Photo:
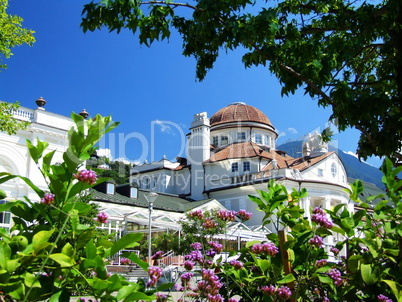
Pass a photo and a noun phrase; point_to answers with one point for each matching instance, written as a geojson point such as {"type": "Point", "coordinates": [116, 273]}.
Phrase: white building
{"type": "Point", "coordinates": [233, 154]}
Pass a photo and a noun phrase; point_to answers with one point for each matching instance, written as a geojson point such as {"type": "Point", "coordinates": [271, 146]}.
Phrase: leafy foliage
{"type": "Point", "coordinates": [53, 251]}
{"type": "Point", "coordinates": [346, 54]}
{"type": "Point", "coordinates": [12, 33]}
{"type": "Point", "coordinates": [117, 170]}
{"type": "Point", "coordinates": [7, 122]}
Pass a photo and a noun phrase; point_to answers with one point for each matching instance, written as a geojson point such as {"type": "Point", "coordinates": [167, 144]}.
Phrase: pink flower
{"type": "Point", "coordinates": [382, 298]}
{"type": "Point", "coordinates": [244, 215]}
{"type": "Point", "coordinates": [87, 176]}
{"type": "Point", "coordinates": [267, 248]}
{"type": "Point", "coordinates": [154, 273]}
{"type": "Point", "coordinates": [284, 292]}
{"type": "Point", "coordinates": [269, 290]}
{"type": "Point", "coordinates": [321, 263]}
{"type": "Point", "coordinates": [157, 255]}
{"type": "Point", "coordinates": [48, 198]}
{"type": "Point", "coordinates": [102, 217]}
{"type": "Point", "coordinates": [209, 224]}
{"type": "Point", "coordinates": [198, 214]}
{"type": "Point", "coordinates": [226, 215]}
{"type": "Point", "coordinates": [335, 275]}
{"type": "Point", "coordinates": [236, 264]}
{"type": "Point", "coordinates": [316, 241]}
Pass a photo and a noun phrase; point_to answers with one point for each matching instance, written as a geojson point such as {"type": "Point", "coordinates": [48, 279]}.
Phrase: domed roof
{"type": "Point", "coordinates": [239, 112]}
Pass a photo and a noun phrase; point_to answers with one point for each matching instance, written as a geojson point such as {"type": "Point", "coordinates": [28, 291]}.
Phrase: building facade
{"type": "Point", "coordinates": [233, 154]}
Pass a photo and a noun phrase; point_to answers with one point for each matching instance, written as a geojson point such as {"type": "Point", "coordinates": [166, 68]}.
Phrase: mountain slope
{"type": "Point", "coordinates": [354, 168]}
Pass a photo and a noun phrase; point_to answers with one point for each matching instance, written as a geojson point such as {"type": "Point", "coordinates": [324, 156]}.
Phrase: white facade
{"type": "Point", "coordinates": [233, 154]}
{"type": "Point", "coordinates": [14, 156]}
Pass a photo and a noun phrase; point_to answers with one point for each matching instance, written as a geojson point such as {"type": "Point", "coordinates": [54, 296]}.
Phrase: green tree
{"type": "Point", "coordinates": [11, 33]}
{"type": "Point", "coordinates": [7, 122]}
{"type": "Point", "coordinates": [346, 54]}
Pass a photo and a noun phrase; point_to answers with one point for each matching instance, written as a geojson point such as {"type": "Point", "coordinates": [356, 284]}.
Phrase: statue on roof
{"type": "Point", "coordinates": [314, 145]}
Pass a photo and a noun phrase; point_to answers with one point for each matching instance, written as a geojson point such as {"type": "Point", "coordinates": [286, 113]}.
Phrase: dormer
{"type": "Point", "coordinates": [107, 187]}
{"type": "Point", "coordinates": [128, 190]}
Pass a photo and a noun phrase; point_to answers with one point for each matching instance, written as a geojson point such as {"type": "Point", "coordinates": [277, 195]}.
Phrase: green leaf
{"type": "Point", "coordinates": [5, 254]}
{"type": "Point", "coordinates": [60, 296]}
{"type": "Point", "coordinates": [133, 257]}
{"type": "Point", "coordinates": [128, 240]}
{"type": "Point", "coordinates": [62, 259]}
{"type": "Point", "coordinates": [287, 279]}
{"type": "Point", "coordinates": [395, 287]}
{"type": "Point", "coordinates": [31, 280]}
{"type": "Point", "coordinates": [370, 274]}
{"type": "Point", "coordinates": [41, 240]}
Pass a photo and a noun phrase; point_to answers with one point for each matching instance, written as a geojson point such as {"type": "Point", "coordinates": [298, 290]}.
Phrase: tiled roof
{"type": "Point", "coordinates": [305, 162]}
{"type": "Point", "coordinates": [239, 112]}
{"type": "Point", "coordinates": [247, 150]}
{"type": "Point", "coordinates": [165, 202]}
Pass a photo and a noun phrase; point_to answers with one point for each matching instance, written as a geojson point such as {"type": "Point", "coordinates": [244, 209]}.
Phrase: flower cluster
{"type": "Point", "coordinates": [319, 216]}
{"type": "Point", "coordinates": [125, 261]}
{"type": "Point", "coordinates": [334, 250]}
{"type": "Point", "coordinates": [210, 283]}
{"type": "Point", "coordinates": [335, 275]}
{"type": "Point", "coordinates": [102, 217]}
{"type": "Point", "coordinates": [188, 265]}
{"type": "Point", "coordinates": [282, 292]}
{"type": "Point", "coordinates": [196, 245]}
{"type": "Point", "coordinates": [236, 264]}
{"type": "Point", "coordinates": [267, 248]}
{"type": "Point", "coordinates": [209, 224]}
{"type": "Point", "coordinates": [48, 198]}
{"type": "Point", "coordinates": [216, 246]}
{"type": "Point", "coordinates": [321, 263]}
{"type": "Point", "coordinates": [244, 215]}
{"type": "Point", "coordinates": [87, 176]}
{"type": "Point", "coordinates": [154, 273]}
{"type": "Point", "coordinates": [185, 280]}
{"type": "Point", "coordinates": [158, 255]}
{"type": "Point", "coordinates": [382, 298]}
{"type": "Point", "coordinates": [226, 215]}
{"type": "Point", "coordinates": [198, 214]}
{"type": "Point", "coordinates": [194, 256]}
{"type": "Point", "coordinates": [316, 241]}
{"type": "Point", "coordinates": [161, 297]}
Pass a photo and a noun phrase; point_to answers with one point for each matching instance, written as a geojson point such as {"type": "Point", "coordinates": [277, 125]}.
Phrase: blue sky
{"type": "Point", "coordinates": [151, 91]}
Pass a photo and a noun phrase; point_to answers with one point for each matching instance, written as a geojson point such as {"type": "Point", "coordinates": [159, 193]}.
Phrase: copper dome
{"type": "Point", "coordinates": [239, 112]}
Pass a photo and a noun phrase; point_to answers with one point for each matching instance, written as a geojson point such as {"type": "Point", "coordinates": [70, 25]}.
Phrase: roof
{"type": "Point", "coordinates": [305, 162]}
{"type": "Point", "coordinates": [247, 150]}
{"type": "Point", "coordinates": [239, 112]}
{"type": "Point", "coordinates": [166, 202]}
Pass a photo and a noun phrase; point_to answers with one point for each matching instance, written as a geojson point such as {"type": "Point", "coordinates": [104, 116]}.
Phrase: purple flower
{"type": "Point", "coordinates": [335, 275]}
{"type": "Point", "coordinates": [161, 297]}
{"type": "Point", "coordinates": [284, 292]}
{"type": "Point", "coordinates": [226, 215]}
{"type": "Point", "coordinates": [236, 264]}
{"type": "Point", "coordinates": [154, 273]}
{"type": "Point", "coordinates": [244, 215]}
{"type": "Point", "coordinates": [87, 176]}
{"type": "Point", "coordinates": [209, 224]}
{"type": "Point", "coordinates": [185, 279]}
{"type": "Point", "coordinates": [198, 214]}
{"type": "Point", "coordinates": [382, 298]}
{"type": "Point", "coordinates": [316, 241]}
{"type": "Point", "coordinates": [210, 253]}
{"type": "Point", "coordinates": [102, 217]}
{"type": "Point", "coordinates": [268, 290]}
{"type": "Point", "coordinates": [215, 298]}
{"type": "Point", "coordinates": [157, 255]}
{"type": "Point", "coordinates": [125, 261]}
{"type": "Point", "coordinates": [188, 265]}
{"type": "Point", "coordinates": [216, 246]}
{"type": "Point", "coordinates": [48, 198]}
{"type": "Point", "coordinates": [321, 263]}
{"type": "Point", "coordinates": [194, 256]}
{"type": "Point", "coordinates": [196, 246]}
{"type": "Point", "coordinates": [267, 248]}
{"type": "Point", "coordinates": [232, 300]}
{"type": "Point", "coordinates": [319, 216]}
{"type": "Point", "coordinates": [334, 250]}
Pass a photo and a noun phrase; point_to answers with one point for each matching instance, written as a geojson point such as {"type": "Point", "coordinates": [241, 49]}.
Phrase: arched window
{"type": "Point", "coordinates": [5, 218]}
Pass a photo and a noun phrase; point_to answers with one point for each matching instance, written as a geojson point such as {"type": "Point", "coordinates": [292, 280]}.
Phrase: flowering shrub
{"type": "Point", "coordinates": [53, 251]}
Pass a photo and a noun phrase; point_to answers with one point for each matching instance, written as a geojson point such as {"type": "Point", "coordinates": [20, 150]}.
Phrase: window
{"type": "Point", "coordinates": [110, 188]}
{"type": "Point", "coordinates": [333, 169]}
{"type": "Point", "coordinates": [235, 167]}
{"type": "Point", "coordinates": [246, 166]}
{"type": "Point", "coordinates": [146, 183]}
{"type": "Point", "coordinates": [258, 138]}
{"type": "Point", "coordinates": [224, 140]}
{"type": "Point", "coordinates": [241, 136]}
{"type": "Point", "coordinates": [155, 181]}
{"type": "Point", "coordinates": [133, 192]}
{"type": "Point", "coordinates": [215, 140]}
{"type": "Point", "coordinates": [5, 218]}
{"type": "Point", "coordinates": [320, 172]}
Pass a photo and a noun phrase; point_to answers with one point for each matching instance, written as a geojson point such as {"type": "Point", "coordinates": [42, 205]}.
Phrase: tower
{"type": "Point", "coordinates": [198, 150]}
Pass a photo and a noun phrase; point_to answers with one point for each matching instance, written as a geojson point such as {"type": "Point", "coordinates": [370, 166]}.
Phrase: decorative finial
{"type": "Point", "coordinates": [41, 103]}
{"type": "Point", "coordinates": [84, 113]}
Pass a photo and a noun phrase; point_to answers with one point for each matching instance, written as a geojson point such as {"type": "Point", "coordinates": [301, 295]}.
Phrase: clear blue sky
{"type": "Point", "coordinates": [109, 73]}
